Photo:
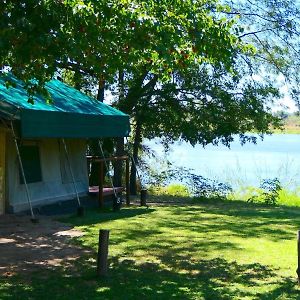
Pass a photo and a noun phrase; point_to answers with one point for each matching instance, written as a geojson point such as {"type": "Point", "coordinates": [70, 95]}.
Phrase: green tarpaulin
{"type": "Point", "coordinates": [71, 114]}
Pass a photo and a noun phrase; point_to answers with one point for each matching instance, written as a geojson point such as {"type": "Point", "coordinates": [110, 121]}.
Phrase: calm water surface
{"type": "Point", "coordinates": [276, 156]}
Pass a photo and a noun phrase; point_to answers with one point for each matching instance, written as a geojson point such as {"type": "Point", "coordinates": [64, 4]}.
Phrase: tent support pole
{"type": "Point", "coordinates": [100, 195]}
{"type": "Point", "coordinates": [72, 174]}
{"type": "Point", "coordinates": [33, 218]}
{"type": "Point", "coordinates": [117, 200]}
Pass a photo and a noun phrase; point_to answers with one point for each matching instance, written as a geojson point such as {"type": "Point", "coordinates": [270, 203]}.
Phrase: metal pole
{"type": "Point", "coordinates": [71, 171]}
{"type": "Point", "coordinates": [143, 189]}
{"type": "Point", "coordinates": [127, 183]}
{"type": "Point", "coordinates": [100, 194]}
{"type": "Point", "coordinates": [117, 200]}
{"type": "Point", "coordinates": [33, 218]}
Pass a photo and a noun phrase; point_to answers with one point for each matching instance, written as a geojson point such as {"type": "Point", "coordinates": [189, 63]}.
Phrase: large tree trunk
{"type": "Point", "coordinates": [118, 165]}
{"type": "Point", "coordinates": [77, 80]}
{"type": "Point", "coordinates": [101, 89]}
{"type": "Point", "coordinates": [129, 104]}
{"type": "Point", "coordinates": [136, 146]}
{"type": "Point", "coordinates": [94, 171]}
{"type": "Point", "coordinates": [95, 167]}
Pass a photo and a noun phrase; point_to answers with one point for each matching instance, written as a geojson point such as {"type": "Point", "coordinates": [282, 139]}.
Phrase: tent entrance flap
{"type": "Point", "coordinates": [54, 124]}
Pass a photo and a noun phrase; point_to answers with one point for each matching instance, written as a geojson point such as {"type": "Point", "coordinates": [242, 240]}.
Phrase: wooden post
{"type": "Point", "coordinates": [298, 270]}
{"type": "Point", "coordinates": [102, 263]}
{"type": "Point", "coordinates": [143, 197]}
{"type": "Point", "coordinates": [127, 183]}
{"type": "Point", "coordinates": [101, 175]}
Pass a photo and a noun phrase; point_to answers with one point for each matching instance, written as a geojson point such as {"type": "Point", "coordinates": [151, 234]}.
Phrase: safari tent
{"type": "Point", "coordinates": [45, 144]}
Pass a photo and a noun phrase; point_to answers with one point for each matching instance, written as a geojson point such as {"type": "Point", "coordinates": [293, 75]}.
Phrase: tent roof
{"type": "Point", "coordinates": [71, 113]}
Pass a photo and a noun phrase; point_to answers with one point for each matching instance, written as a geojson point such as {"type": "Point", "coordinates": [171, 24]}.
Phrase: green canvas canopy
{"type": "Point", "coordinates": [71, 114]}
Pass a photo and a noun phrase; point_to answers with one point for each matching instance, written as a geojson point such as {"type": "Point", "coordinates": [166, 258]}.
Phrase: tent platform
{"type": "Point", "coordinates": [66, 207]}
{"type": "Point", "coordinates": [94, 190]}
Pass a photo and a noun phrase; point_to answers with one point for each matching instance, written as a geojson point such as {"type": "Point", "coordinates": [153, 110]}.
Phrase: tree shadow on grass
{"type": "Point", "coordinates": [96, 216]}
{"type": "Point", "coordinates": [285, 290]}
{"type": "Point", "coordinates": [183, 279]}
{"type": "Point", "coordinates": [201, 226]}
{"type": "Point", "coordinates": [251, 220]}
{"type": "Point", "coordinates": [172, 274]}
{"type": "Point", "coordinates": [254, 221]}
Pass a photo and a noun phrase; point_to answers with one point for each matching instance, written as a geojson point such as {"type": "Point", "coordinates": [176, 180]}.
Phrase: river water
{"type": "Point", "coordinates": [277, 155]}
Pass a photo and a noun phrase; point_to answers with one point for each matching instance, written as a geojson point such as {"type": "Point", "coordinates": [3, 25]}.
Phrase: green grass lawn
{"type": "Point", "coordinates": [208, 250]}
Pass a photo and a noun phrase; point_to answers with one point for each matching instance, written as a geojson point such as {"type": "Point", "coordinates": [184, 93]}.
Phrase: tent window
{"type": "Point", "coordinates": [30, 155]}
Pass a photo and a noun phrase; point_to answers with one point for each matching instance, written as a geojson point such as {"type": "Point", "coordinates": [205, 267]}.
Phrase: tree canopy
{"type": "Point", "coordinates": [99, 38]}
{"type": "Point", "coordinates": [181, 69]}
{"type": "Point", "coordinates": [273, 27]}
{"type": "Point", "coordinates": [197, 70]}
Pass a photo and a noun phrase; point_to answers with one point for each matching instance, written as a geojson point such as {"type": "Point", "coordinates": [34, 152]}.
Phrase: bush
{"type": "Point", "coordinates": [208, 188]}
{"type": "Point", "coordinates": [178, 190]}
{"type": "Point", "coordinates": [269, 194]}
{"type": "Point", "coordinates": [160, 182]}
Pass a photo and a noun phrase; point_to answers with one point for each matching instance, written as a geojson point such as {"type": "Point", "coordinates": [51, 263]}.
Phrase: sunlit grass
{"type": "Point", "coordinates": [210, 250]}
{"type": "Point", "coordinates": [289, 198]}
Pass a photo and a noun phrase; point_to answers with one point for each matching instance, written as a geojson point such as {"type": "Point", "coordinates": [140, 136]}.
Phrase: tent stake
{"type": "Point", "coordinates": [80, 208]}
{"type": "Point", "coordinates": [33, 218]}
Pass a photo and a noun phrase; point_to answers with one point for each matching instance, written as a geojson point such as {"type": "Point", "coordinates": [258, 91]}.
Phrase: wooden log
{"type": "Point", "coordinates": [102, 262]}
{"type": "Point", "coordinates": [101, 178]}
{"type": "Point", "coordinates": [298, 269]}
{"type": "Point", "coordinates": [127, 183]}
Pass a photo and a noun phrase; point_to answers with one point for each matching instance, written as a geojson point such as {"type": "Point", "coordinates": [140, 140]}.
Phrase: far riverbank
{"type": "Point", "coordinates": [291, 125]}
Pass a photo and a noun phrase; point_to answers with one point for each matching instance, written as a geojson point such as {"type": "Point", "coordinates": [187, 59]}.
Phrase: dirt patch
{"type": "Point", "coordinates": [26, 246]}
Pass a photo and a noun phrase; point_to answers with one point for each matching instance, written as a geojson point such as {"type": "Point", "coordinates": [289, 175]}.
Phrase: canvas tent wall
{"type": "Point", "coordinates": [72, 116]}
{"type": "Point", "coordinates": [46, 171]}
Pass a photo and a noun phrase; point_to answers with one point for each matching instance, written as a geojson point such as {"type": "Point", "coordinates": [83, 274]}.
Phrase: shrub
{"type": "Point", "coordinates": [178, 190]}
{"type": "Point", "coordinates": [160, 182]}
{"type": "Point", "coordinates": [208, 188]}
{"type": "Point", "coordinates": [269, 194]}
